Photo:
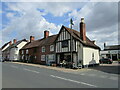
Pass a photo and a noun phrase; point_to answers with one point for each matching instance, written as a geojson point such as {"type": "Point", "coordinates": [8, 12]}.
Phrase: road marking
{"type": "Point", "coordinates": [102, 76]}
{"type": "Point", "coordinates": [73, 81]}
{"type": "Point", "coordinates": [82, 74]}
{"type": "Point", "coordinates": [113, 78]}
{"type": "Point", "coordinates": [31, 70]}
{"type": "Point", "coordinates": [14, 66]}
{"type": "Point", "coordinates": [91, 75]}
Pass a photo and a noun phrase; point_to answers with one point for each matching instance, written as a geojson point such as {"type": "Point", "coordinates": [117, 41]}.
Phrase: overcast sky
{"type": "Point", "coordinates": [23, 19]}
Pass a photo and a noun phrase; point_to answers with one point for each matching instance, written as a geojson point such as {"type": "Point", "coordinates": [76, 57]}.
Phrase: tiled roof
{"type": "Point", "coordinates": [41, 42]}
{"type": "Point", "coordinates": [15, 45]}
{"type": "Point", "coordinates": [113, 47]}
{"type": "Point", "coordinates": [76, 35]}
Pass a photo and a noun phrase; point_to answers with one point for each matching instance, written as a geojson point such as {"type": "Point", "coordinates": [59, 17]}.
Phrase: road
{"type": "Point", "coordinates": [23, 76]}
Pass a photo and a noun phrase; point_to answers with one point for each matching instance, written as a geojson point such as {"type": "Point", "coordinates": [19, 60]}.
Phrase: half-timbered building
{"type": "Point", "coordinates": [75, 47]}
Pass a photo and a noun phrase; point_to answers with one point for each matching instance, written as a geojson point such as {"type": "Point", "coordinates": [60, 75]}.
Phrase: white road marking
{"type": "Point", "coordinates": [92, 75]}
{"type": "Point", "coordinates": [82, 74]}
{"type": "Point", "coordinates": [113, 78]}
{"type": "Point", "coordinates": [73, 81]}
{"type": "Point", "coordinates": [102, 76]}
{"type": "Point", "coordinates": [14, 66]}
{"type": "Point", "coordinates": [31, 70]}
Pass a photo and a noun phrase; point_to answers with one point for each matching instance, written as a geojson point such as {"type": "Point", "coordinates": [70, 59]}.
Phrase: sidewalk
{"type": "Point", "coordinates": [52, 68]}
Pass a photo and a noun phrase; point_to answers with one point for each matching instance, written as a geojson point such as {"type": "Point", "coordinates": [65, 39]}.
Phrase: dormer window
{"type": "Point", "coordinates": [43, 49]}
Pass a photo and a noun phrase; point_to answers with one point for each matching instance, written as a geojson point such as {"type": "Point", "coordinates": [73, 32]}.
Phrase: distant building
{"type": "Point", "coordinates": [112, 52]}
{"type": "Point", "coordinates": [75, 47]}
{"type": "Point", "coordinates": [39, 51]}
{"type": "Point", "coordinates": [11, 53]}
{"type": "Point", "coordinates": [5, 54]}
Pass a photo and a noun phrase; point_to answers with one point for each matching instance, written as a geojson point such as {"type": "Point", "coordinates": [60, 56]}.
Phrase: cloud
{"type": "Point", "coordinates": [101, 20]}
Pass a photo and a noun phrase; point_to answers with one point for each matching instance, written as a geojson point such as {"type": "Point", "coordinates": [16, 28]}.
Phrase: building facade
{"type": "Point", "coordinates": [75, 47]}
{"type": "Point", "coordinates": [11, 53]}
{"type": "Point", "coordinates": [112, 52]}
{"type": "Point", "coordinates": [39, 51]}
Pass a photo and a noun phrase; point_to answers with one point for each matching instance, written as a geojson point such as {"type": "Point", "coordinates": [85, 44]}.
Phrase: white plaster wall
{"type": "Point", "coordinates": [14, 53]}
{"type": "Point", "coordinates": [87, 55]}
{"type": "Point", "coordinates": [80, 51]}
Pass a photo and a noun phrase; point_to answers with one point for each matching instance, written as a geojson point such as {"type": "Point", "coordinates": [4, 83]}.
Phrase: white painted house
{"type": "Point", "coordinates": [13, 50]}
{"type": "Point", "coordinates": [75, 47]}
{"type": "Point", "coordinates": [3, 48]}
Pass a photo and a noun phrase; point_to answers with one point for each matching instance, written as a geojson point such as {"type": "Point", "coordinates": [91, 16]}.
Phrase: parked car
{"type": "Point", "coordinates": [106, 60]}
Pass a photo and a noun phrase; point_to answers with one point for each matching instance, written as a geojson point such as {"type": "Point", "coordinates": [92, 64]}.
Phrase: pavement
{"type": "Point", "coordinates": [22, 75]}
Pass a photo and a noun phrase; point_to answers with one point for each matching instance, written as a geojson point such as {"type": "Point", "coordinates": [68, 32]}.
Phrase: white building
{"type": "Point", "coordinates": [12, 52]}
{"type": "Point", "coordinates": [73, 46]}
{"type": "Point", "coordinates": [112, 52]}
{"type": "Point", "coordinates": [3, 48]}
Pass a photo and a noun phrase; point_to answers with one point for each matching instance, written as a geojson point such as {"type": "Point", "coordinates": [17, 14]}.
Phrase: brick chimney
{"type": "Point", "coordinates": [10, 43]}
{"type": "Point", "coordinates": [46, 34]}
{"type": "Point", "coordinates": [82, 30]}
{"type": "Point", "coordinates": [14, 41]}
{"type": "Point", "coordinates": [32, 38]}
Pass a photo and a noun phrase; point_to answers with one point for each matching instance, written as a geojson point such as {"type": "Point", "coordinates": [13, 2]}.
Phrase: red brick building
{"type": "Point", "coordinates": [39, 51]}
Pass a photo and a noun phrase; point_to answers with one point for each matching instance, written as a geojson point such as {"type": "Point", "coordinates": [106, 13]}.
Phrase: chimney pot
{"type": "Point", "coordinates": [46, 34]}
{"type": "Point", "coordinates": [14, 41]}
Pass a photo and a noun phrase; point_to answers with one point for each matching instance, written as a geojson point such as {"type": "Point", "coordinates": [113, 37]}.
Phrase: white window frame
{"type": "Point", "coordinates": [43, 49]}
{"type": "Point", "coordinates": [51, 47]}
{"type": "Point", "coordinates": [42, 57]}
{"type": "Point", "coordinates": [27, 51]}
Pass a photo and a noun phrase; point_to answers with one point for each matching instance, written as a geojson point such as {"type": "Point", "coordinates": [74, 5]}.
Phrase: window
{"type": "Point", "coordinates": [26, 51]}
{"type": "Point", "coordinates": [51, 47]}
{"type": "Point", "coordinates": [92, 56]}
{"type": "Point", "coordinates": [43, 49]}
{"type": "Point", "coordinates": [42, 57]}
{"type": "Point", "coordinates": [51, 57]}
{"type": "Point", "coordinates": [65, 43]}
{"type": "Point", "coordinates": [22, 51]}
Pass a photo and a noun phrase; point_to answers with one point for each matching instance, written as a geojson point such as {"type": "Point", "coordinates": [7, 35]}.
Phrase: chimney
{"type": "Point", "coordinates": [32, 38]}
{"type": "Point", "coordinates": [14, 41]}
{"type": "Point", "coordinates": [10, 43]}
{"type": "Point", "coordinates": [46, 34]}
{"type": "Point", "coordinates": [94, 42]}
{"type": "Point", "coordinates": [104, 45]}
{"type": "Point", "coordinates": [82, 30]}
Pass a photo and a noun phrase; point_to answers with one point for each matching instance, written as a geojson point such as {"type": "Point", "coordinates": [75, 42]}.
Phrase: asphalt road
{"type": "Point", "coordinates": [22, 76]}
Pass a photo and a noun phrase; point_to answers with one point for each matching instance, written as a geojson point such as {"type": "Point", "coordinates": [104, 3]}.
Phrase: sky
{"type": "Point", "coordinates": [22, 19]}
